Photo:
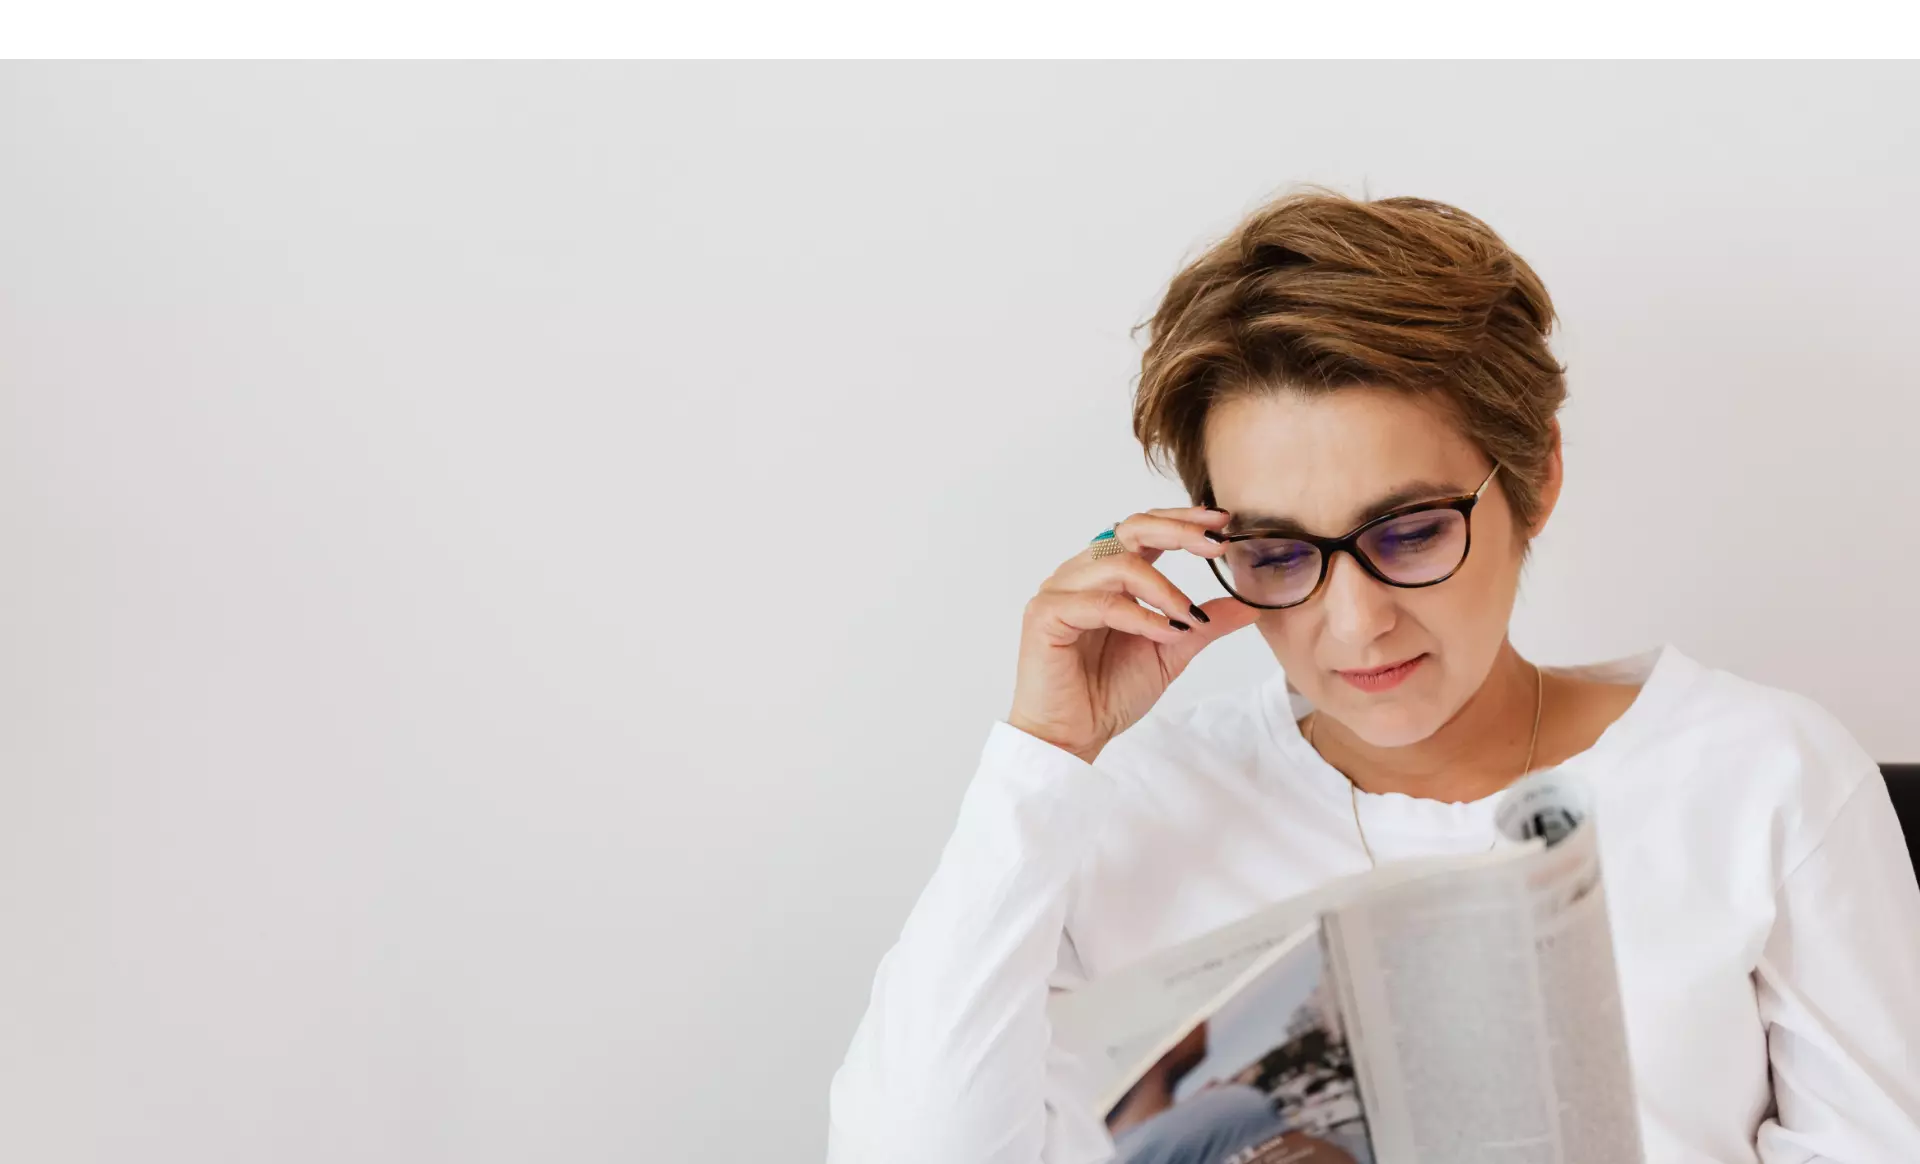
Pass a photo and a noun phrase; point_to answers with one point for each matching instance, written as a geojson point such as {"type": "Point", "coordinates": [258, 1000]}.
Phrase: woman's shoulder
{"type": "Point", "coordinates": [1733, 753]}
{"type": "Point", "coordinates": [1702, 704]}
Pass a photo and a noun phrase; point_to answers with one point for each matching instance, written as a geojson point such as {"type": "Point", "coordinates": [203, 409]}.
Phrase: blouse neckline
{"type": "Point", "coordinates": [1662, 672]}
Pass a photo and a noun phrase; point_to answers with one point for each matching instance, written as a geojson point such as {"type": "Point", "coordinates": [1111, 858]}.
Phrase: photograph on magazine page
{"type": "Point", "coordinates": [1267, 1079]}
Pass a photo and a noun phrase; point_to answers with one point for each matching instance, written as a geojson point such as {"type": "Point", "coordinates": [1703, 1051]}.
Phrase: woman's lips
{"type": "Point", "coordinates": [1383, 678]}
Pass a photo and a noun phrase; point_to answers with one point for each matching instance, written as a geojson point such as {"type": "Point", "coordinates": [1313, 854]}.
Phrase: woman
{"type": "Point", "coordinates": [1360, 398]}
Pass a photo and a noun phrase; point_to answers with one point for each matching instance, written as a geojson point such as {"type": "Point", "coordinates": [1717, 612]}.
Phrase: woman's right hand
{"type": "Point", "coordinates": [1093, 660]}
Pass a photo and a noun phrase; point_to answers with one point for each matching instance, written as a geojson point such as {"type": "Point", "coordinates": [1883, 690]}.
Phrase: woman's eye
{"type": "Point", "coordinates": [1289, 559]}
{"type": "Point", "coordinates": [1411, 537]}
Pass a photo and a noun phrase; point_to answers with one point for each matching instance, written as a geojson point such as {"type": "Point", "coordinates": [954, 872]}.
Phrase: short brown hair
{"type": "Point", "coordinates": [1316, 291]}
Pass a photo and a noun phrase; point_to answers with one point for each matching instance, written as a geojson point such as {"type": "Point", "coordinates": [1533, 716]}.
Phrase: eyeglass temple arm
{"type": "Point", "coordinates": [1487, 482]}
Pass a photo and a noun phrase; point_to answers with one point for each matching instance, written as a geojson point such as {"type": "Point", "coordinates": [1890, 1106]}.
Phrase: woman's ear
{"type": "Point", "coordinates": [1550, 482]}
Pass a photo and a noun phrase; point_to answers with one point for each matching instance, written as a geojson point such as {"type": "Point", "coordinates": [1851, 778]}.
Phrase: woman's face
{"type": "Point", "coordinates": [1328, 462]}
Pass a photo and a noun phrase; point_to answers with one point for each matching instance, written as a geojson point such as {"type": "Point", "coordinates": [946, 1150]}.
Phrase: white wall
{"type": "Point", "coordinates": [507, 569]}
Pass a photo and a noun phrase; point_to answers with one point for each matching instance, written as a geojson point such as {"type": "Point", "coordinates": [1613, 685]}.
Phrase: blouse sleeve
{"type": "Point", "coordinates": [1839, 989]}
{"type": "Point", "coordinates": [952, 1062]}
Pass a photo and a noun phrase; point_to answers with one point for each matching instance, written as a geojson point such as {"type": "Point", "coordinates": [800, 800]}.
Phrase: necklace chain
{"type": "Point", "coordinates": [1353, 790]}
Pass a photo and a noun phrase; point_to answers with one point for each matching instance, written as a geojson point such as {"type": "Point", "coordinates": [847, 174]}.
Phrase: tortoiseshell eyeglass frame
{"type": "Point", "coordinates": [1350, 542]}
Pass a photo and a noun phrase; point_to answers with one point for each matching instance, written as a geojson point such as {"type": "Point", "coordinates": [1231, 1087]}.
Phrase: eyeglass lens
{"type": "Point", "coordinates": [1413, 549]}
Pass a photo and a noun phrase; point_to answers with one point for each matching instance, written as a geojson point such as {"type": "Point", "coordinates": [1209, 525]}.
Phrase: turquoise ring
{"type": "Point", "coordinates": [1106, 543]}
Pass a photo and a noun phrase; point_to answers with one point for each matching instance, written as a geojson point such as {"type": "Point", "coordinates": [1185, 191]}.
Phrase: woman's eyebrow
{"type": "Point", "coordinates": [1243, 521]}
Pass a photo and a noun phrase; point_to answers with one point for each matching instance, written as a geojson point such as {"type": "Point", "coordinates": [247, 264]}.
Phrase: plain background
{"type": "Point", "coordinates": [508, 569]}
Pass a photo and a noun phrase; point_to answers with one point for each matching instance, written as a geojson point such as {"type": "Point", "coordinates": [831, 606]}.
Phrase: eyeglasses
{"type": "Point", "coordinates": [1422, 544]}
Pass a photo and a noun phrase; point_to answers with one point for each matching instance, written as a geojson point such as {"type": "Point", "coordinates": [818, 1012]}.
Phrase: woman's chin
{"type": "Point", "coordinates": [1394, 727]}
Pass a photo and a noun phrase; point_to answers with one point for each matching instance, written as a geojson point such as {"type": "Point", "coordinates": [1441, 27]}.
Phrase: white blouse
{"type": "Point", "coordinates": [1767, 922]}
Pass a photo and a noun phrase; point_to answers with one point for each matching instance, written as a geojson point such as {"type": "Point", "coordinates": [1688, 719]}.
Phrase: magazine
{"type": "Point", "coordinates": [1453, 1010]}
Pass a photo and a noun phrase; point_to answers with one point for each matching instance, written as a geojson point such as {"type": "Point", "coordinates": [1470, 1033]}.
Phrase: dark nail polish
{"type": "Point", "coordinates": [1178, 625]}
{"type": "Point", "coordinates": [1216, 509]}
{"type": "Point", "coordinates": [1199, 614]}
{"type": "Point", "coordinates": [1216, 535]}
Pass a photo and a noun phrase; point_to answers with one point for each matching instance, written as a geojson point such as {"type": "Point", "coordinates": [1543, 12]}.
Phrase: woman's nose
{"type": "Point", "coordinates": [1359, 608]}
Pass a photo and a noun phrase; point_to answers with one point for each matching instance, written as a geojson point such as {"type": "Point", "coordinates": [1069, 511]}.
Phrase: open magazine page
{"type": "Point", "coordinates": [1483, 1005]}
{"type": "Point", "coordinates": [1573, 942]}
{"type": "Point", "coordinates": [1123, 1022]}
{"type": "Point", "coordinates": [1266, 1079]}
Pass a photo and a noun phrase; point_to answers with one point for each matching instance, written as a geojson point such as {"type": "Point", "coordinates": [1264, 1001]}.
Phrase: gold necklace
{"type": "Point", "coordinates": [1353, 790]}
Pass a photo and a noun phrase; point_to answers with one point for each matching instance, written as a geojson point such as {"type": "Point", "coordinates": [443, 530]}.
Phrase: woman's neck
{"type": "Point", "coordinates": [1481, 750]}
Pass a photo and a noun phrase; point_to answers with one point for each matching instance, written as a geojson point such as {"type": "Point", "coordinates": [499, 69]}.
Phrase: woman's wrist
{"type": "Point", "coordinates": [1086, 753]}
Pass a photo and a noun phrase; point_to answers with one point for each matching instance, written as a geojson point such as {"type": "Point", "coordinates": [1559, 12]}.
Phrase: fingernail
{"type": "Point", "coordinates": [1215, 509]}
{"type": "Point", "coordinates": [1178, 625]}
{"type": "Point", "coordinates": [1215, 534]}
{"type": "Point", "coordinates": [1199, 614]}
